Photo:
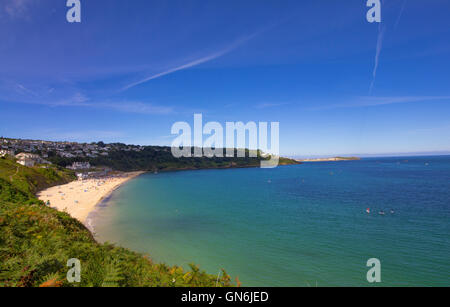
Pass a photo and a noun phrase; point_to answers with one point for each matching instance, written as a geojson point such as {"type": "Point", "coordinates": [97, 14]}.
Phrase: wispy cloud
{"type": "Point", "coordinates": [15, 8]}
{"type": "Point", "coordinates": [270, 105]}
{"type": "Point", "coordinates": [193, 63]}
{"type": "Point", "coordinates": [371, 101]}
{"type": "Point", "coordinates": [135, 107]}
{"type": "Point", "coordinates": [119, 106]}
{"type": "Point", "coordinates": [377, 101]}
{"type": "Point", "coordinates": [77, 99]}
{"type": "Point", "coordinates": [25, 90]}
{"type": "Point", "coordinates": [80, 100]}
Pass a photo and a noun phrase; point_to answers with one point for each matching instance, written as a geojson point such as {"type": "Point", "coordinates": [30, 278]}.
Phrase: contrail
{"type": "Point", "coordinates": [188, 65]}
{"type": "Point", "coordinates": [400, 15]}
{"type": "Point", "coordinates": [195, 62]}
{"type": "Point", "coordinates": [381, 31]}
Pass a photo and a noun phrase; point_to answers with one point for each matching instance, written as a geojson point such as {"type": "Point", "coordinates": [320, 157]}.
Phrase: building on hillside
{"type": "Point", "coordinates": [26, 162]}
{"type": "Point", "coordinates": [79, 165]}
{"type": "Point", "coordinates": [5, 152]}
{"type": "Point", "coordinates": [24, 155]}
{"type": "Point", "coordinates": [66, 155]}
{"type": "Point", "coordinates": [29, 159]}
{"type": "Point", "coordinates": [82, 176]}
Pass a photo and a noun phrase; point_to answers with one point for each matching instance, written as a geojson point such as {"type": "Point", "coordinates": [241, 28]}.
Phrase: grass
{"type": "Point", "coordinates": [37, 241]}
{"type": "Point", "coordinates": [32, 179]}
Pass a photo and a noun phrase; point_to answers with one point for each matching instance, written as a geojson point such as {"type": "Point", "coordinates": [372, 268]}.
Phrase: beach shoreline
{"type": "Point", "coordinates": [79, 198]}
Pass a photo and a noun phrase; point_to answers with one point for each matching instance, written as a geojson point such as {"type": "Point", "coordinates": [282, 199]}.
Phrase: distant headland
{"type": "Point", "coordinates": [330, 159]}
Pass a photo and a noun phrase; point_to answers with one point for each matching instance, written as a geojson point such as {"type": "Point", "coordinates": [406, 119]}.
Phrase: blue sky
{"type": "Point", "coordinates": [131, 69]}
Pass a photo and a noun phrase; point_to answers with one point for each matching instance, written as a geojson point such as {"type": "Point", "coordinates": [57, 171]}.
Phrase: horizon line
{"type": "Point", "coordinates": [444, 152]}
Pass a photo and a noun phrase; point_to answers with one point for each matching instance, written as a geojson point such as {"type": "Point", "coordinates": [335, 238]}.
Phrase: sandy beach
{"type": "Point", "coordinates": [79, 198]}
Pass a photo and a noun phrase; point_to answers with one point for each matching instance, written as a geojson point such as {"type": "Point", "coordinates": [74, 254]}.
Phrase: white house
{"type": "Point", "coordinates": [5, 152]}
{"type": "Point", "coordinates": [26, 162]}
{"type": "Point", "coordinates": [29, 159]}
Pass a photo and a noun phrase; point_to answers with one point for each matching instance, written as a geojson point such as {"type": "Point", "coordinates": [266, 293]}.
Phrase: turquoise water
{"type": "Point", "coordinates": [302, 225]}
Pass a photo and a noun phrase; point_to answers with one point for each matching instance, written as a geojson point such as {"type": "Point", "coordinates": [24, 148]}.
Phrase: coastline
{"type": "Point", "coordinates": [336, 159]}
{"type": "Point", "coordinates": [80, 198]}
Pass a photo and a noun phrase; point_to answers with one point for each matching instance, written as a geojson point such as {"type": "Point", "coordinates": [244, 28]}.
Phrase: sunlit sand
{"type": "Point", "coordinates": [79, 198]}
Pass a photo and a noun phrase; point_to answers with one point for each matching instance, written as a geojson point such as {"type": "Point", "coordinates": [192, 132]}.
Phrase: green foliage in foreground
{"type": "Point", "coordinates": [29, 180]}
{"type": "Point", "coordinates": [36, 242]}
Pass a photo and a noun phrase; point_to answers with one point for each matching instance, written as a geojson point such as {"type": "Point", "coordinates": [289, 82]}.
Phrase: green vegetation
{"type": "Point", "coordinates": [153, 158]}
{"type": "Point", "coordinates": [348, 158]}
{"type": "Point", "coordinates": [28, 181]}
{"type": "Point", "coordinates": [287, 161]}
{"type": "Point", "coordinates": [36, 242]}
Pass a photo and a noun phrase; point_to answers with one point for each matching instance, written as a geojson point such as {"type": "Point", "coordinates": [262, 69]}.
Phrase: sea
{"type": "Point", "coordinates": [308, 225]}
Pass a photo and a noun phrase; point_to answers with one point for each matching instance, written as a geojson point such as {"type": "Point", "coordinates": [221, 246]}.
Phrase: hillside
{"type": "Point", "coordinates": [28, 181]}
{"type": "Point", "coordinates": [153, 158]}
{"type": "Point", "coordinates": [123, 157]}
{"type": "Point", "coordinates": [36, 242]}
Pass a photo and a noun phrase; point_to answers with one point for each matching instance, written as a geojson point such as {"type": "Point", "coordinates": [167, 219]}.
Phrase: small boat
{"type": "Point", "coordinates": [392, 211]}
{"type": "Point", "coordinates": [381, 213]}
{"type": "Point", "coordinates": [368, 210]}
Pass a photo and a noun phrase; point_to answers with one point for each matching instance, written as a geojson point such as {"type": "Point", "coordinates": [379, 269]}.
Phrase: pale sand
{"type": "Point", "coordinates": [79, 198]}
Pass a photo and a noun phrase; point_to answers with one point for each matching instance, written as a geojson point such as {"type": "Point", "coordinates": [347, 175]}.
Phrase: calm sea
{"type": "Point", "coordinates": [302, 225]}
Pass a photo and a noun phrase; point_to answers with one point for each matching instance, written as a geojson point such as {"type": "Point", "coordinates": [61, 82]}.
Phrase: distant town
{"type": "Point", "coordinates": [32, 152]}
{"type": "Point", "coordinates": [62, 149]}
{"type": "Point", "coordinates": [114, 156]}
